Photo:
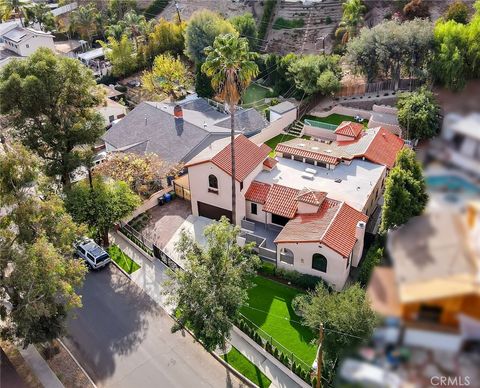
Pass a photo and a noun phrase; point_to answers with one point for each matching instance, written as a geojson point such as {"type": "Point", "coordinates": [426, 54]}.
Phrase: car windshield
{"type": "Point", "coordinates": [101, 258]}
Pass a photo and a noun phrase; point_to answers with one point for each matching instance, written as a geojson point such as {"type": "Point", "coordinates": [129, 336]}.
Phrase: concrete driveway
{"type": "Point", "coordinates": [123, 339]}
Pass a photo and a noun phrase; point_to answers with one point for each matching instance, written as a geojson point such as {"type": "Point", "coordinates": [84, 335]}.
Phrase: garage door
{"type": "Point", "coordinates": [213, 212]}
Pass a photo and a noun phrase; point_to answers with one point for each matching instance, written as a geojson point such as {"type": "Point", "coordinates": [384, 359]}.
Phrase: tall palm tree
{"type": "Point", "coordinates": [352, 19]}
{"type": "Point", "coordinates": [231, 66]}
{"type": "Point", "coordinates": [83, 21]}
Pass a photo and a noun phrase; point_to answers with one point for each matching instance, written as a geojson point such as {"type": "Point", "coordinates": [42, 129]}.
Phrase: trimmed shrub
{"type": "Point", "coordinates": [372, 259]}
{"type": "Point", "coordinates": [268, 347]}
{"type": "Point", "coordinates": [294, 367]}
{"type": "Point", "coordinates": [275, 353]}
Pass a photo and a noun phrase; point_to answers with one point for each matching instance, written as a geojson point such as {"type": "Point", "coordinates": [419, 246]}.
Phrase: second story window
{"type": "Point", "coordinates": [212, 184]}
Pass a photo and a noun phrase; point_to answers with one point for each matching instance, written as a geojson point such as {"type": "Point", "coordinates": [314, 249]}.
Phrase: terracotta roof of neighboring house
{"type": "Point", "coordinates": [257, 192]}
{"type": "Point", "coordinates": [281, 200]}
{"type": "Point", "coordinates": [311, 196]}
{"type": "Point", "coordinates": [347, 128]}
{"type": "Point", "coordinates": [384, 148]}
{"type": "Point", "coordinates": [248, 155]}
{"type": "Point", "coordinates": [309, 227]}
{"type": "Point", "coordinates": [340, 236]}
{"type": "Point", "coordinates": [304, 153]}
{"type": "Point", "coordinates": [270, 162]}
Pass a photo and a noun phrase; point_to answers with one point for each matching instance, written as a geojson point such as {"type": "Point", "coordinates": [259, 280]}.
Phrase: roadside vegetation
{"type": "Point", "coordinates": [238, 361]}
{"type": "Point", "coordinates": [122, 259]}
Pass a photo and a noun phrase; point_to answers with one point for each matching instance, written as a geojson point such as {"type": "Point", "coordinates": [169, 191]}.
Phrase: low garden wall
{"type": "Point", "coordinates": [152, 201]}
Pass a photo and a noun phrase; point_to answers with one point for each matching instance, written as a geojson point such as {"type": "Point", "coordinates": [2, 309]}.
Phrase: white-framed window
{"type": "Point", "coordinates": [212, 184]}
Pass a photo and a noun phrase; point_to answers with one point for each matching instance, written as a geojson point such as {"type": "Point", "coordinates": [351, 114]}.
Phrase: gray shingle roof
{"type": "Point", "coordinates": [245, 121]}
{"type": "Point", "coordinates": [148, 129]}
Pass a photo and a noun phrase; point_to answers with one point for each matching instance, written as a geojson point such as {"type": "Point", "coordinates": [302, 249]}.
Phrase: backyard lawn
{"type": "Point", "coordinates": [246, 368]}
{"type": "Point", "coordinates": [122, 260]}
{"type": "Point", "coordinates": [270, 308]}
{"type": "Point", "coordinates": [334, 119]}
{"type": "Point", "coordinates": [253, 94]}
{"type": "Point", "coordinates": [272, 143]}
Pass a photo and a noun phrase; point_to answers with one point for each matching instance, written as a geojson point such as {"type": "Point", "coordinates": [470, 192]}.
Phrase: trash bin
{"type": "Point", "coordinates": [167, 197]}
{"type": "Point", "coordinates": [173, 194]}
{"type": "Point", "coordinates": [161, 201]}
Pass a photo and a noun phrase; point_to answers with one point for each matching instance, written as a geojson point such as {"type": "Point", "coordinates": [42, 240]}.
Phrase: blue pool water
{"type": "Point", "coordinates": [452, 183]}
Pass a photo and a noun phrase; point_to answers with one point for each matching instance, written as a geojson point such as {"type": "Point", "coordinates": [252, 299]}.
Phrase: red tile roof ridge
{"type": "Point", "coordinates": [349, 128]}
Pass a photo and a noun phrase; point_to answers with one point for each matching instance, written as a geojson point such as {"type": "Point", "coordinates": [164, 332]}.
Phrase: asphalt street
{"type": "Point", "coordinates": [123, 339]}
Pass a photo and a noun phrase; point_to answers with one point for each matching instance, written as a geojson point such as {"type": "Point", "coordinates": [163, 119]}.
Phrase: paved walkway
{"type": "Point", "coordinates": [150, 277]}
{"type": "Point", "coordinates": [40, 367]}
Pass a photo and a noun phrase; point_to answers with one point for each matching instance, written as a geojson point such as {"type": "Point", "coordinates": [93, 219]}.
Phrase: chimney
{"type": "Point", "coordinates": [358, 248]}
{"type": "Point", "coordinates": [178, 112]}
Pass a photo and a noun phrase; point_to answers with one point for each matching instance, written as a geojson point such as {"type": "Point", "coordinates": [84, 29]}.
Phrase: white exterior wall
{"type": "Point", "coordinates": [275, 128]}
{"type": "Point", "coordinates": [260, 216]}
{"type": "Point", "coordinates": [31, 45]}
{"type": "Point", "coordinates": [336, 274]}
{"type": "Point", "coordinates": [198, 178]}
{"type": "Point", "coordinates": [369, 207]}
{"type": "Point", "coordinates": [321, 133]}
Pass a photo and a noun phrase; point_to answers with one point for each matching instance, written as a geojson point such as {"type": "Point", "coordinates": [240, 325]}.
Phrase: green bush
{"type": "Point", "coordinates": [275, 353]}
{"type": "Point", "coordinates": [294, 367]}
{"type": "Point", "coordinates": [266, 17]}
{"type": "Point", "coordinates": [328, 20]}
{"type": "Point", "coordinates": [372, 259]}
{"type": "Point", "coordinates": [281, 23]}
{"type": "Point", "coordinates": [296, 278]}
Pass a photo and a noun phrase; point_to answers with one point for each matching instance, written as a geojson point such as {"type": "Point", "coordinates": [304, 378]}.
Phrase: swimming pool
{"type": "Point", "coordinates": [451, 183]}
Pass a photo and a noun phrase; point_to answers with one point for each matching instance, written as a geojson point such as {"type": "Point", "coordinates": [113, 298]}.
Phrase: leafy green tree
{"type": "Point", "coordinates": [352, 19]}
{"type": "Point", "coordinates": [346, 316]}
{"type": "Point", "coordinates": [48, 100]}
{"type": "Point", "coordinates": [118, 8]}
{"type": "Point", "coordinates": [10, 7]}
{"type": "Point", "coordinates": [121, 54]}
{"type": "Point", "coordinates": [167, 37]}
{"type": "Point", "coordinates": [39, 274]}
{"type": "Point", "coordinates": [405, 192]}
{"type": "Point", "coordinates": [418, 113]}
{"type": "Point", "coordinates": [457, 11]}
{"type": "Point", "coordinates": [100, 207]}
{"type": "Point", "coordinates": [231, 66]}
{"type": "Point", "coordinates": [203, 83]}
{"type": "Point", "coordinates": [168, 76]}
{"type": "Point", "coordinates": [312, 73]}
{"type": "Point", "coordinates": [83, 21]}
{"type": "Point", "coordinates": [202, 29]}
{"type": "Point", "coordinates": [41, 14]}
{"type": "Point", "coordinates": [115, 31]}
{"type": "Point", "coordinates": [208, 295]}
{"type": "Point", "coordinates": [391, 48]}
{"type": "Point", "coordinates": [247, 27]}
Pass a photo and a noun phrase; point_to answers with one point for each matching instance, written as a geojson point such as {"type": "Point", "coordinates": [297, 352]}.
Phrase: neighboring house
{"type": "Point", "coordinates": [459, 144]}
{"type": "Point", "coordinates": [70, 48]}
{"type": "Point", "coordinates": [176, 132]}
{"type": "Point", "coordinates": [110, 109]}
{"type": "Point", "coordinates": [317, 195]}
{"type": "Point", "coordinates": [434, 283]}
{"type": "Point", "coordinates": [24, 41]}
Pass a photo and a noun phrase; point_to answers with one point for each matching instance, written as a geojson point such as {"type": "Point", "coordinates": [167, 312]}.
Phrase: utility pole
{"type": "Point", "coordinates": [319, 357]}
{"type": "Point", "coordinates": [178, 12]}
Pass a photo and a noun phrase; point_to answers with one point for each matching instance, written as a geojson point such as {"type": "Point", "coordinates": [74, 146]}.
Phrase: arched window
{"type": "Point", "coordinates": [319, 262]}
{"type": "Point", "coordinates": [212, 183]}
{"type": "Point", "coordinates": [286, 256]}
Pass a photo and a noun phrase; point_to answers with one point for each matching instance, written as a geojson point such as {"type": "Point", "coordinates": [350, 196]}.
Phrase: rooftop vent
{"type": "Point", "coordinates": [307, 175]}
{"type": "Point", "coordinates": [328, 151]}
{"type": "Point", "coordinates": [301, 145]}
{"type": "Point", "coordinates": [311, 170]}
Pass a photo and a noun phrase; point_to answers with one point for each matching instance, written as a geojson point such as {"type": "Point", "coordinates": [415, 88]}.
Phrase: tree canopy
{"type": "Point", "coordinates": [247, 27]}
{"type": "Point", "coordinates": [48, 100]}
{"type": "Point", "coordinates": [346, 316]}
{"type": "Point", "coordinates": [39, 274]}
{"type": "Point", "coordinates": [352, 19]}
{"type": "Point", "coordinates": [121, 54]}
{"type": "Point", "coordinates": [202, 29]}
{"type": "Point", "coordinates": [101, 207]}
{"type": "Point", "coordinates": [418, 113]}
{"type": "Point", "coordinates": [207, 296]}
{"type": "Point", "coordinates": [405, 192]}
{"type": "Point", "coordinates": [457, 11]}
{"type": "Point", "coordinates": [168, 76]}
{"type": "Point", "coordinates": [316, 73]}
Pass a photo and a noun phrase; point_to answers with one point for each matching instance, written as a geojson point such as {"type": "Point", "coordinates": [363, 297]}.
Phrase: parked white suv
{"type": "Point", "coordinates": [92, 253]}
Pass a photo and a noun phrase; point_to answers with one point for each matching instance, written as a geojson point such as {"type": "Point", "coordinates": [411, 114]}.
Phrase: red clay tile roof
{"type": "Point", "coordinates": [309, 227]}
{"type": "Point", "coordinates": [270, 162]}
{"type": "Point", "coordinates": [347, 128]}
{"type": "Point", "coordinates": [311, 196]}
{"type": "Point", "coordinates": [248, 155]}
{"type": "Point", "coordinates": [333, 225]}
{"type": "Point", "coordinates": [257, 192]}
{"type": "Point", "coordinates": [307, 154]}
{"type": "Point", "coordinates": [281, 200]}
{"type": "Point", "coordinates": [384, 148]}
{"type": "Point", "coordinates": [340, 235]}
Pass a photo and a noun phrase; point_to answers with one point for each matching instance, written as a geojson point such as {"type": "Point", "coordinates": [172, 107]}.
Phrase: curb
{"type": "Point", "coordinates": [78, 363]}
{"type": "Point", "coordinates": [122, 270]}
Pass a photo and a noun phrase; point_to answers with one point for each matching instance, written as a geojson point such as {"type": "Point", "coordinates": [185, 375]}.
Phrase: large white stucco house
{"type": "Point", "coordinates": [314, 197]}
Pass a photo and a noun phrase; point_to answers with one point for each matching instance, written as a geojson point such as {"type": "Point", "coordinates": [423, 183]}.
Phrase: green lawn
{"type": "Point", "coordinates": [253, 94]}
{"type": "Point", "coordinates": [270, 308]}
{"type": "Point", "coordinates": [238, 361]}
{"type": "Point", "coordinates": [272, 143]}
{"type": "Point", "coordinates": [123, 261]}
{"type": "Point", "coordinates": [334, 119]}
